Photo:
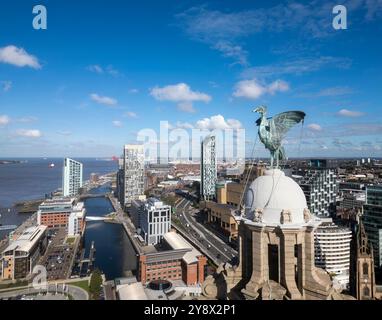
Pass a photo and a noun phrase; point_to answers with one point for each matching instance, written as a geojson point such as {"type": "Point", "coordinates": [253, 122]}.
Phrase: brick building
{"type": "Point", "coordinates": [178, 261]}
{"type": "Point", "coordinates": [62, 213]}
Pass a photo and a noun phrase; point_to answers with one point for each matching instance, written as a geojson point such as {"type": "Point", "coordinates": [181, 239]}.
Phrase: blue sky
{"type": "Point", "coordinates": [102, 72]}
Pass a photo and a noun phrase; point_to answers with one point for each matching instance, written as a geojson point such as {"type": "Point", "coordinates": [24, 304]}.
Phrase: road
{"type": "Point", "coordinates": [220, 250]}
{"type": "Point", "coordinates": [76, 292]}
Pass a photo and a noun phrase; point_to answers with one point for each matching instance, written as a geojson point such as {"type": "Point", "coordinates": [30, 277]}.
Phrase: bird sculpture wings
{"type": "Point", "coordinates": [281, 123]}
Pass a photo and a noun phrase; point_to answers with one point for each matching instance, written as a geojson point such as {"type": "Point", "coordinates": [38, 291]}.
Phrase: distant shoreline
{"type": "Point", "coordinates": [11, 161]}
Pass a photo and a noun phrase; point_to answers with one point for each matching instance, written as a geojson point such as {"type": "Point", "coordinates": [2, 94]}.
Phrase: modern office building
{"type": "Point", "coordinates": [71, 177]}
{"type": "Point", "coordinates": [178, 260]}
{"type": "Point", "coordinates": [120, 179]}
{"type": "Point", "coordinates": [319, 183]}
{"type": "Point", "coordinates": [153, 218]}
{"type": "Point", "coordinates": [351, 195]}
{"type": "Point", "coordinates": [22, 254]}
{"type": "Point", "coordinates": [76, 222]}
{"type": "Point", "coordinates": [208, 168]}
{"type": "Point", "coordinates": [332, 251]}
{"type": "Point", "coordinates": [62, 213]}
{"type": "Point", "coordinates": [372, 220]}
{"type": "Point", "coordinates": [134, 173]}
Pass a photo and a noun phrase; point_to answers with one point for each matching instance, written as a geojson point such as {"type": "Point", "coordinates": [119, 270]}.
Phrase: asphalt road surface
{"type": "Point", "coordinates": [221, 251]}
{"type": "Point", "coordinates": [76, 292]}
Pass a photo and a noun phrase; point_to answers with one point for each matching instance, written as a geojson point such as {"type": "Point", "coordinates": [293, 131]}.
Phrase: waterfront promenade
{"type": "Point", "coordinates": [122, 218]}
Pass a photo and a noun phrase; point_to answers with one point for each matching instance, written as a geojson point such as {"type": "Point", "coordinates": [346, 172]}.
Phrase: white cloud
{"type": "Point", "coordinates": [184, 125]}
{"type": "Point", "coordinates": [186, 107]}
{"type": "Point", "coordinates": [278, 85]}
{"type": "Point", "coordinates": [117, 123]}
{"type": "Point", "coordinates": [131, 114]}
{"type": "Point", "coordinates": [253, 89]}
{"type": "Point", "coordinates": [7, 85]}
{"type": "Point", "coordinates": [64, 133]}
{"type": "Point", "coordinates": [314, 127]}
{"type": "Point", "coordinates": [18, 57]}
{"type": "Point", "coordinates": [27, 119]}
{"type": "Point", "coordinates": [233, 51]}
{"type": "Point", "coordinates": [32, 133]}
{"type": "Point", "coordinates": [95, 68]}
{"type": "Point", "coordinates": [100, 70]}
{"type": "Point", "coordinates": [349, 113]}
{"type": "Point", "coordinates": [133, 90]}
{"type": "Point", "coordinates": [180, 93]}
{"type": "Point", "coordinates": [218, 122]}
{"type": "Point", "coordinates": [103, 99]}
{"type": "Point", "coordinates": [110, 70]}
{"type": "Point", "coordinates": [4, 120]}
{"type": "Point", "coordinates": [297, 67]}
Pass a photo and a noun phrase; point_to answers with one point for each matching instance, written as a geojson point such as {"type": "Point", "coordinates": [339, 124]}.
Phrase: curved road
{"type": "Point", "coordinates": [76, 292]}
{"type": "Point", "coordinates": [220, 250]}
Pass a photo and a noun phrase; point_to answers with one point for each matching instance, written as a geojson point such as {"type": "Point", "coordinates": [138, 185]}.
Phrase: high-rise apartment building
{"type": "Point", "coordinates": [71, 177]}
{"type": "Point", "coordinates": [332, 251]}
{"type": "Point", "coordinates": [134, 172]}
{"type": "Point", "coordinates": [119, 192]}
{"type": "Point", "coordinates": [372, 220]}
{"type": "Point", "coordinates": [319, 183]}
{"type": "Point", "coordinates": [208, 168]}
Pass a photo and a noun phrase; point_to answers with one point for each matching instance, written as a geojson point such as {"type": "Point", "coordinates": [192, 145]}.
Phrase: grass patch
{"type": "Point", "coordinates": [13, 285]}
{"type": "Point", "coordinates": [70, 240]}
{"type": "Point", "coordinates": [84, 284]}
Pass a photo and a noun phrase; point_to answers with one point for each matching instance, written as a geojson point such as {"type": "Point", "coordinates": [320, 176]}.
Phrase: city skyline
{"type": "Point", "coordinates": [85, 86]}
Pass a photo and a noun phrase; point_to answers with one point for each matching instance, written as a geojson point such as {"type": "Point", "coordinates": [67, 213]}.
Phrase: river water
{"type": "Point", "coordinates": [34, 178]}
{"type": "Point", "coordinates": [115, 254]}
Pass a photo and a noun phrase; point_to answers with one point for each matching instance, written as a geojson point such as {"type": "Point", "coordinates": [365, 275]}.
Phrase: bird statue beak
{"type": "Point", "coordinates": [255, 110]}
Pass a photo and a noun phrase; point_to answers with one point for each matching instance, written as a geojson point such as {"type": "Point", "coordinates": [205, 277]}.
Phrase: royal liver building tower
{"type": "Point", "coordinates": [276, 235]}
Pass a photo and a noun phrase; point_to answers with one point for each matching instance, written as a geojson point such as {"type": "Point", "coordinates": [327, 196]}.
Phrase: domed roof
{"type": "Point", "coordinates": [272, 193]}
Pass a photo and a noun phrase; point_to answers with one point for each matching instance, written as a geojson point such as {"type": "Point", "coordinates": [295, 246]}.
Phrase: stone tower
{"type": "Point", "coordinates": [276, 237]}
{"type": "Point", "coordinates": [365, 277]}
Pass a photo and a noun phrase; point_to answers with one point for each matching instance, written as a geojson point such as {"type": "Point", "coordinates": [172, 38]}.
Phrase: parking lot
{"type": "Point", "coordinates": [59, 256]}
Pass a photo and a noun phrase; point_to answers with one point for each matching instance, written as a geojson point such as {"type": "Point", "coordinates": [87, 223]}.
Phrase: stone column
{"type": "Point", "coordinates": [259, 263]}
{"type": "Point", "coordinates": [288, 263]}
{"type": "Point", "coordinates": [317, 282]}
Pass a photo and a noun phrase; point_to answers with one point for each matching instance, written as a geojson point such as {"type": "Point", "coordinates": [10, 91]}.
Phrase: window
{"type": "Point", "coordinates": [366, 291]}
{"type": "Point", "coordinates": [365, 268]}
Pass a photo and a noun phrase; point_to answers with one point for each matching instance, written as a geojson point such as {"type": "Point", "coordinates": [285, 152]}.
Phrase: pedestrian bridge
{"type": "Point", "coordinates": [96, 218]}
{"type": "Point", "coordinates": [9, 227]}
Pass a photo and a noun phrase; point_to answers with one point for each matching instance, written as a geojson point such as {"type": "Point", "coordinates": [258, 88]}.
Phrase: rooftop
{"type": "Point", "coordinates": [132, 291]}
{"type": "Point", "coordinates": [27, 239]}
{"type": "Point", "coordinates": [176, 241]}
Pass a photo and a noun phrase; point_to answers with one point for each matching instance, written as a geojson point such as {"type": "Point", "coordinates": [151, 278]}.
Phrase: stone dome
{"type": "Point", "coordinates": [273, 193]}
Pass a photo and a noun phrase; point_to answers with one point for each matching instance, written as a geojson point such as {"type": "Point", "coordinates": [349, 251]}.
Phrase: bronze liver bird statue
{"type": "Point", "coordinates": [273, 130]}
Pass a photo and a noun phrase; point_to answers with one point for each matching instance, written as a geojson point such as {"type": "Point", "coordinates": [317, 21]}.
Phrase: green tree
{"type": "Point", "coordinates": [95, 284]}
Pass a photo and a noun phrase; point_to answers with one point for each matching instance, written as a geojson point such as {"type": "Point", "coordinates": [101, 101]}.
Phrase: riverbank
{"type": "Point", "coordinates": [116, 254]}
